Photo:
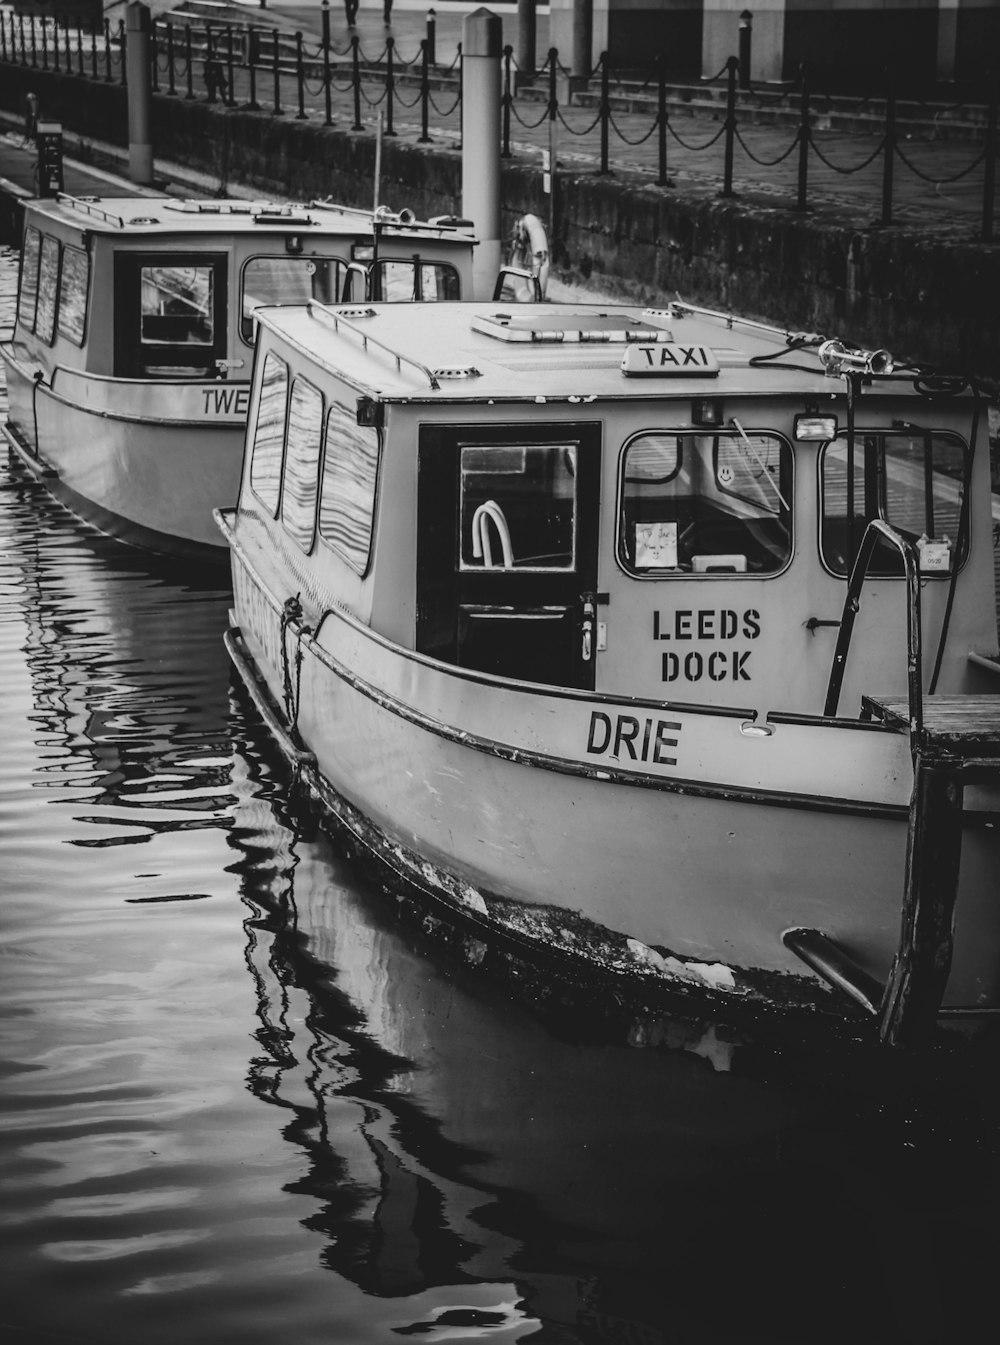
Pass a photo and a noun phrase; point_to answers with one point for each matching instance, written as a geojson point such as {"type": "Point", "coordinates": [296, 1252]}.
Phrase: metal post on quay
{"type": "Point", "coordinates": [746, 42]}
{"type": "Point", "coordinates": [431, 47]}
{"type": "Point", "coordinates": [138, 27]}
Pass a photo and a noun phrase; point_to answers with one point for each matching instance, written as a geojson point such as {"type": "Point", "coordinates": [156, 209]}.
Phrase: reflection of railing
{"type": "Point", "coordinates": [877, 529]}
{"type": "Point", "coordinates": [234, 63]}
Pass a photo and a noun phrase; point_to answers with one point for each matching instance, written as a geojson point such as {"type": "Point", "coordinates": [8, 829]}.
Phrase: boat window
{"type": "Point", "coordinates": [48, 289]}
{"type": "Point", "coordinates": [518, 506]}
{"type": "Point", "coordinates": [302, 444]}
{"type": "Point", "coordinates": [73, 286]}
{"type": "Point", "coordinates": [704, 504]}
{"type": "Point", "coordinates": [29, 279]}
{"type": "Point", "coordinates": [913, 479]}
{"type": "Point", "coordinates": [269, 432]}
{"type": "Point", "coordinates": [176, 305]}
{"type": "Point", "coordinates": [287, 280]}
{"type": "Point", "coordinates": [347, 497]}
{"type": "Point", "coordinates": [414, 281]}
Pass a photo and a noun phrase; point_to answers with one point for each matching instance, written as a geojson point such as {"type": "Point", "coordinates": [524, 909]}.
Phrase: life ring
{"type": "Point", "coordinates": [530, 250]}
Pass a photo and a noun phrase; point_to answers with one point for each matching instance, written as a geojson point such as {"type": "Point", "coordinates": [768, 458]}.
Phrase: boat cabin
{"type": "Point", "coordinates": [659, 504]}
{"type": "Point", "coordinates": [166, 289]}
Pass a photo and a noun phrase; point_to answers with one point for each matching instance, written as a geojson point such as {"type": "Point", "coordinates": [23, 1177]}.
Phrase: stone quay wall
{"type": "Point", "coordinates": [932, 297]}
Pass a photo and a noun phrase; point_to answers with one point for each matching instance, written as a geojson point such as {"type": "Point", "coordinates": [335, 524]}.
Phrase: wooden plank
{"type": "Point", "coordinates": [963, 724]}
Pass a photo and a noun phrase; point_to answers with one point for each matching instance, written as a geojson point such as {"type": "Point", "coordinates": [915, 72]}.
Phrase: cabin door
{"type": "Point", "coordinates": [507, 549]}
{"type": "Point", "coordinates": [170, 314]}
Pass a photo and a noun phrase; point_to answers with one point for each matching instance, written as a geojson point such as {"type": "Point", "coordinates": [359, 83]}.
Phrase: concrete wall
{"type": "Point", "coordinates": [927, 299]}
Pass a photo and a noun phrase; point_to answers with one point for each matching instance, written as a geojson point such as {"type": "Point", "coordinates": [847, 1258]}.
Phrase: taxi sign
{"type": "Point", "coordinates": [669, 360]}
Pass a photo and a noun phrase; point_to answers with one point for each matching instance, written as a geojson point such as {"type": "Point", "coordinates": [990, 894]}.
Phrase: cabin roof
{"type": "Point", "coordinates": [148, 216]}
{"type": "Point", "coordinates": [535, 352]}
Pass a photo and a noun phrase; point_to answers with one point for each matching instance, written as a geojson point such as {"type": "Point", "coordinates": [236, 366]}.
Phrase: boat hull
{"type": "Point", "coordinates": [148, 474]}
{"type": "Point", "coordinates": [689, 879]}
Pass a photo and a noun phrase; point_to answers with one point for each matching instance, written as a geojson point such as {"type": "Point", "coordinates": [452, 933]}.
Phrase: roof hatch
{"type": "Point", "coordinates": [609, 327]}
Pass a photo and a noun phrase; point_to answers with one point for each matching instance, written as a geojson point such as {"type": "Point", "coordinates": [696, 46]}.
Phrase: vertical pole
{"type": "Point", "coordinates": [482, 45]}
{"type": "Point", "coordinates": [300, 77]}
{"type": "Point", "coordinates": [390, 83]}
{"type": "Point", "coordinates": [69, 49]}
{"type": "Point", "coordinates": [230, 98]}
{"type": "Point", "coordinates": [425, 94]}
{"type": "Point", "coordinates": [746, 38]}
{"type": "Point", "coordinates": [79, 47]}
{"type": "Point", "coordinates": [122, 43]}
{"type": "Point", "coordinates": [107, 51]}
{"type": "Point", "coordinates": [277, 76]}
{"type": "Point", "coordinates": [140, 147]}
{"type": "Point", "coordinates": [553, 111]}
{"type": "Point", "coordinates": [508, 53]}
{"type": "Point", "coordinates": [93, 52]}
{"type": "Point", "coordinates": [253, 51]}
{"type": "Point", "coordinates": [661, 123]}
{"type": "Point", "coordinates": [732, 65]}
{"type": "Point", "coordinates": [327, 91]}
{"type": "Point", "coordinates": [605, 112]}
{"type": "Point", "coordinates": [888, 162]}
{"type": "Point", "coordinates": [431, 37]}
{"type": "Point", "coordinates": [356, 82]}
{"type": "Point", "coordinates": [526, 38]}
{"type": "Point", "coordinates": [805, 133]}
{"type": "Point", "coordinates": [919, 973]}
{"type": "Point", "coordinates": [189, 62]}
{"type": "Point", "coordinates": [171, 85]}
{"type": "Point", "coordinates": [34, 46]}
{"type": "Point", "coordinates": [990, 164]}
{"type": "Point", "coordinates": [153, 62]}
{"type": "Point", "coordinates": [210, 62]}
{"type": "Point", "coordinates": [45, 46]}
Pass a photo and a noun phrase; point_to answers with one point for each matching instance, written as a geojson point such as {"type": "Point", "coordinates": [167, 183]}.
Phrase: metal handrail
{"type": "Point", "coordinates": [877, 528]}
{"type": "Point", "coordinates": [338, 321]}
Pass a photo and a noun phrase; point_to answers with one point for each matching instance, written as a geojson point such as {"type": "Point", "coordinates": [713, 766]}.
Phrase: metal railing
{"type": "Point", "coordinates": [255, 67]}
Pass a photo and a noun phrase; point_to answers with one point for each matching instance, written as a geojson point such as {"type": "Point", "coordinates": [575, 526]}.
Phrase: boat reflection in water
{"type": "Point", "coordinates": [595, 1192]}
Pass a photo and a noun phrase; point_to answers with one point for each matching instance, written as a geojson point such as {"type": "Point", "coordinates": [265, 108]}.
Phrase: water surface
{"type": "Point", "coordinates": [240, 1103]}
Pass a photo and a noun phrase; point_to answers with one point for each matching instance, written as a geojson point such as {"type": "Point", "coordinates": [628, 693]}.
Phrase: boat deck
{"type": "Point", "coordinates": [966, 726]}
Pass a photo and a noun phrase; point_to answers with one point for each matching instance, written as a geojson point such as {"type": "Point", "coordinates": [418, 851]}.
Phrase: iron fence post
{"type": "Point", "coordinates": [34, 46]}
{"type": "Point", "coordinates": [327, 91]}
{"type": "Point", "coordinates": [107, 51]}
{"type": "Point", "coordinates": [508, 52]}
{"type": "Point", "coordinates": [431, 37]}
{"type": "Point", "coordinates": [153, 62]}
{"type": "Point", "coordinates": [390, 83]}
{"type": "Point", "coordinates": [661, 119]}
{"type": "Point", "coordinates": [805, 132]}
{"type": "Point", "coordinates": [276, 75]}
{"type": "Point", "coordinates": [746, 39]}
{"type": "Point", "coordinates": [732, 66]}
{"type": "Point", "coordinates": [990, 163]}
{"type": "Point", "coordinates": [121, 51]}
{"type": "Point", "coordinates": [189, 60]}
{"type": "Point", "coordinates": [230, 99]}
{"type": "Point", "coordinates": [69, 47]}
{"type": "Point", "coordinates": [425, 94]}
{"type": "Point", "coordinates": [888, 162]}
{"type": "Point", "coordinates": [210, 62]}
{"type": "Point", "coordinates": [300, 77]}
{"type": "Point", "coordinates": [605, 111]}
{"type": "Point", "coordinates": [93, 53]}
{"type": "Point", "coordinates": [79, 47]}
{"type": "Point", "coordinates": [171, 88]}
{"type": "Point", "coordinates": [356, 81]}
{"type": "Point", "coordinates": [24, 54]}
{"type": "Point", "coordinates": [252, 53]}
{"type": "Point", "coordinates": [3, 37]}
{"type": "Point", "coordinates": [45, 43]}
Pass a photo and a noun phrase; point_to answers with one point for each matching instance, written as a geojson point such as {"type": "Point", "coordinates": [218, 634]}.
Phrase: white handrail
{"type": "Point", "coordinates": [481, 547]}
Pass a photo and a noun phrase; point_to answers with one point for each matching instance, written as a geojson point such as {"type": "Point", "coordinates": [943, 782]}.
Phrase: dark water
{"type": "Point", "coordinates": [240, 1104]}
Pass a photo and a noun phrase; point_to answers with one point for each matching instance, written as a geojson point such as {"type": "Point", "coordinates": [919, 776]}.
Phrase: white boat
{"type": "Point", "coordinates": [591, 629]}
{"type": "Point", "coordinates": [128, 370]}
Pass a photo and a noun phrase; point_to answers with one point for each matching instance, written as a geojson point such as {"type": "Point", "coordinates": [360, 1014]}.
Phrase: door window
{"type": "Point", "coordinates": [518, 506]}
{"type": "Point", "coordinates": [170, 315]}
